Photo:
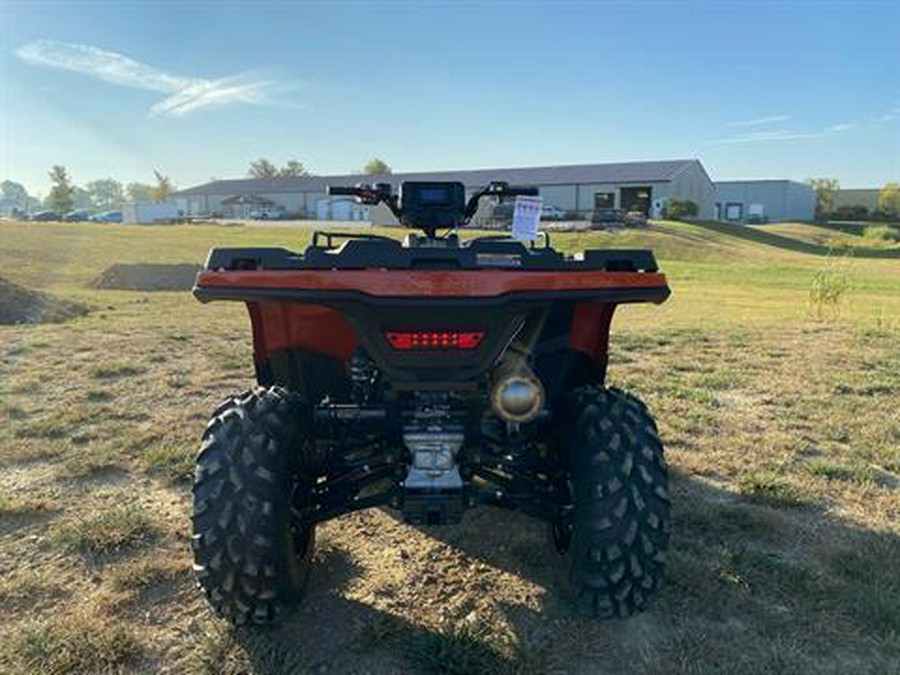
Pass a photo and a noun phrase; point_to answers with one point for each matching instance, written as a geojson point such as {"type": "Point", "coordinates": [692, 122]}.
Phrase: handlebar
{"type": "Point", "coordinates": [512, 191]}
{"type": "Point", "coordinates": [337, 191]}
{"type": "Point", "coordinates": [500, 189]}
{"type": "Point", "coordinates": [382, 193]}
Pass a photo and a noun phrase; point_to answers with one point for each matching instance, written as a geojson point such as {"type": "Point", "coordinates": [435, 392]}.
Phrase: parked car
{"type": "Point", "coordinates": [607, 217]}
{"type": "Point", "coordinates": [44, 216]}
{"type": "Point", "coordinates": [77, 216]}
{"type": "Point", "coordinates": [266, 214]}
{"type": "Point", "coordinates": [636, 218]}
{"type": "Point", "coordinates": [550, 212]}
{"type": "Point", "coordinates": [107, 217]}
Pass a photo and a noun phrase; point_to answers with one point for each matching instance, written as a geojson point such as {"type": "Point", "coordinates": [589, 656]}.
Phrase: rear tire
{"type": "Point", "coordinates": [620, 526]}
{"type": "Point", "coordinates": [249, 559]}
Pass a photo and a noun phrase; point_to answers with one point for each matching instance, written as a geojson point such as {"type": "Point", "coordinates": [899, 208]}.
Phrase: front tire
{"type": "Point", "coordinates": [249, 559]}
{"type": "Point", "coordinates": [619, 531]}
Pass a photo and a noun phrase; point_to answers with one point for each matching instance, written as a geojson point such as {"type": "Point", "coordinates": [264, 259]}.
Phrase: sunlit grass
{"type": "Point", "coordinates": [782, 432]}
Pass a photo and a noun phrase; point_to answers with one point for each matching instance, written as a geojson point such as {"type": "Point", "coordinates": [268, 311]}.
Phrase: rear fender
{"type": "Point", "coordinates": [589, 334]}
{"type": "Point", "coordinates": [280, 326]}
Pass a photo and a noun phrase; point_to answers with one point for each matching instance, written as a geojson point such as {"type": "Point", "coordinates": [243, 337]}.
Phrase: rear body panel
{"type": "Point", "coordinates": [298, 304]}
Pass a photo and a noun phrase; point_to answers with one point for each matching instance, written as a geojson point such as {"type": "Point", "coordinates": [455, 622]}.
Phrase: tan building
{"type": "Point", "coordinates": [630, 186]}
{"type": "Point", "coordinates": [867, 197]}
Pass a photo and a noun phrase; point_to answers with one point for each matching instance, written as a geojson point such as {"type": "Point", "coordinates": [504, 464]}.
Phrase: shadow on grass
{"type": "Point", "coordinates": [333, 634]}
{"type": "Point", "coordinates": [751, 233]}
{"type": "Point", "coordinates": [751, 589]}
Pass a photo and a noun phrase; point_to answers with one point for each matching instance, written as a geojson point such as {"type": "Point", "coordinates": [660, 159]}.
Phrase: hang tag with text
{"type": "Point", "coordinates": [526, 218]}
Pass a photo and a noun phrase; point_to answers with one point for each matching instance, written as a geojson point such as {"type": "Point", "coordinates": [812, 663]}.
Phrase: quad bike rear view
{"type": "Point", "coordinates": [430, 376]}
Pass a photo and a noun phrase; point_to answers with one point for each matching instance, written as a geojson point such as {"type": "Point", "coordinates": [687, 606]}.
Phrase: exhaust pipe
{"type": "Point", "coordinates": [517, 394]}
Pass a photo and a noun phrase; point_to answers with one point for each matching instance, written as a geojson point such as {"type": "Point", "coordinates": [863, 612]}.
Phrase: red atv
{"type": "Point", "coordinates": [431, 376]}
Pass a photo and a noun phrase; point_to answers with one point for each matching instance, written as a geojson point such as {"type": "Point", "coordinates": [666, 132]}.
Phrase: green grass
{"type": "Point", "coordinates": [105, 371]}
{"type": "Point", "coordinates": [858, 471]}
{"type": "Point", "coordinates": [781, 430]}
{"type": "Point", "coordinates": [466, 650]}
{"type": "Point", "coordinates": [770, 489]}
{"type": "Point", "coordinates": [828, 236]}
{"type": "Point", "coordinates": [771, 237]}
{"type": "Point", "coordinates": [82, 644]}
{"type": "Point", "coordinates": [110, 531]}
{"type": "Point", "coordinates": [13, 505]}
{"type": "Point", "coordinates": [882, 233]}
{"type": "Point", "coordinates": [174, 463]}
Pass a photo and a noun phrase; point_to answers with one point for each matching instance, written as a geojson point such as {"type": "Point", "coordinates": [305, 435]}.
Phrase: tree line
{"type": "Point", "coordinates": [263, 168]}
{"type": "Point", "coordinates": [106, 194]}
{"type": "Point", "coordinates": [887, 206]}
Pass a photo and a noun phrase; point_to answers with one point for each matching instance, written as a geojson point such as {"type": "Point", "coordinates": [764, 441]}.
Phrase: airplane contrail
{"type": "Point", "coordinates": [187, 95]}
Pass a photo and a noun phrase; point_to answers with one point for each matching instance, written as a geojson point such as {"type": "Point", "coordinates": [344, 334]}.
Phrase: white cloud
{"type": "Point", "coordinates": [775, 136]}
{"type": "Point", "coordinates": [187, 95]}
{"type": "Point", "coordinates": [889, 116]}
{"type": "Point", "coordinates": [214, 93]}
{"type": "Point", "coordinates": [772, 119]}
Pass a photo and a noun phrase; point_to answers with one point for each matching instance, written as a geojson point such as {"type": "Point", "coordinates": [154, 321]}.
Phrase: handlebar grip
{"type": "Point", "coordinates": [339, 191]}
{"type": "Point", "coordinates": [514, 191]}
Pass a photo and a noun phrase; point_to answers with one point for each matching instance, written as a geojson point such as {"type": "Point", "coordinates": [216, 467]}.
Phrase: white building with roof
{"type": "Point", "coordinates": [631, 186]}
{"type": "Point", "coordinates": [763, 201]}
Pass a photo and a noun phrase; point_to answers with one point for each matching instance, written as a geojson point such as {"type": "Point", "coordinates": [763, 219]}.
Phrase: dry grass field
{"type": "Point", "coordinates": [774, 376]}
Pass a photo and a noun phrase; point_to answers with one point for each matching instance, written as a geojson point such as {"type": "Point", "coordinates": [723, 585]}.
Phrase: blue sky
{"type": "Point", "coordinates": [198, 90]}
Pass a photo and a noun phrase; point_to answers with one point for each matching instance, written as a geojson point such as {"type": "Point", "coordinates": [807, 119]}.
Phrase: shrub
{"type": "Point", "coordinates": [829, 285]}
{"type": "Point", "coordinates": [882, 216]}
{"type": "Point", "coordinates": [850, 212]}
{"type": "Point", "coordinates": [678, 209]}
{"type": "Point", "coordinates": [882, 233]}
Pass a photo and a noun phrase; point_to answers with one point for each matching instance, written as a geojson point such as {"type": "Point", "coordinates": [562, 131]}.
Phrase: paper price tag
{"type": "Point", "coordinates": [526, 218]}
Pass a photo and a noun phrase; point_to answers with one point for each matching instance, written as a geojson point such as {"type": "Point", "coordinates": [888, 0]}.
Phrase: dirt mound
{"type": "Point", "coordinates": [147, 277]}
{"type": "Point", "coordinates": [23, 305]}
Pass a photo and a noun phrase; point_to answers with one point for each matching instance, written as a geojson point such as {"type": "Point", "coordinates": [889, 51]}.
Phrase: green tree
{"type": "Point", "coordinates": [14, 198]}
{"type": "Point", "coordinates": [262, 168]}
{"type": "Point", "coordinates": [825, 189]}
{"type": "Point", "coordinates": [106, 193]}
{"type": "Point", "coordinates": [14, 194]}
{"type": "Point", "coordinates": [81, 198]}
{"type": "Point", "coordinates": [376, 166]}
{"type": "Point", "coordinates": [163, 188]}
{"type": "Point", "coordinates": [61, 194]}
{"type": "Point", "coordinates": [889, 199]}
{"type": "Point", "coordinates": [139, 192]}
{"type": "Point", "coordinates": [293, 168]}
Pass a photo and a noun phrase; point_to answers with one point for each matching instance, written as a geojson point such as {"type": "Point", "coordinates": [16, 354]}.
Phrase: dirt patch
{"type": "Point", "coordinates": [147, 277]}
{"type": "Point", "coordinates": [23, 305]}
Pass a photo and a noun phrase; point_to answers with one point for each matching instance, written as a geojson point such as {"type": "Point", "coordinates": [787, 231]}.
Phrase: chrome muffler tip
{"type": "Point", "coordinates": [518, 398]}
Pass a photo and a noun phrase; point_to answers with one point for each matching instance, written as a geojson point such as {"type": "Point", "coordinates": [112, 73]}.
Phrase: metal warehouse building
{"type": "Point", "coordinates": [865, 197]}
{"type": "Point", "coordinates": [632, 186]}
{"type": "Point", "coordinates": [763, 200]}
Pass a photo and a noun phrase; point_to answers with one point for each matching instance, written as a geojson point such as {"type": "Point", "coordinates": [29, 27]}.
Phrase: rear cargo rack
{"type": "Point", "coordinates": [329, 237]}
{"type": "Point", "coordinates": [360, 252]}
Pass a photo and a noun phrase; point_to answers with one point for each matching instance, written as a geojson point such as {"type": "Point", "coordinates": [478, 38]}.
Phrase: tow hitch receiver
{"type": "Point", "coordinates": [433, 488]}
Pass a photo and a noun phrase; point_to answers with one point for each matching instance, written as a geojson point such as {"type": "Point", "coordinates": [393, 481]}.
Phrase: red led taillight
{"type": "Point", "coordinates": [408, 340]}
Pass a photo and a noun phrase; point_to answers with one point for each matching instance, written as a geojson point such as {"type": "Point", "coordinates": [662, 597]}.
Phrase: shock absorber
{"type": "Point", "coordinates": [363, 377]}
